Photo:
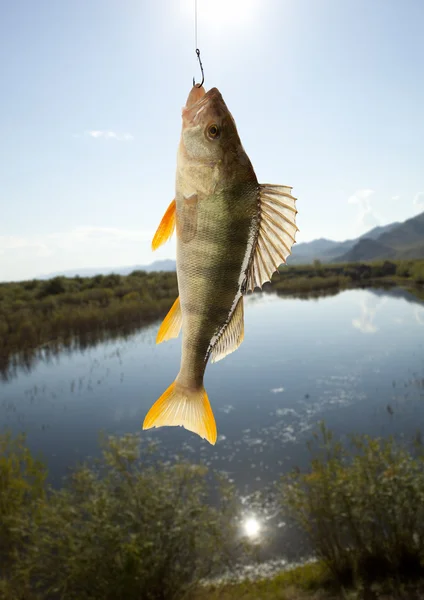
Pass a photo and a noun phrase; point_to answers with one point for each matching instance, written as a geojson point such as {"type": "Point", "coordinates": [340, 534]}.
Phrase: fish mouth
{"type": "Point", "coordinates": [197, 101]}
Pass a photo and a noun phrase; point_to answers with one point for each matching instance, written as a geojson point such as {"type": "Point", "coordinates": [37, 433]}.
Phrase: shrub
{"type": "Point", "coordinates": [418, 273]}
{"type": "Point", "coordinates": [52, 287]}
{"type": "Point", "coordinates": [22, 480]}
{"type": "Point", "coordinates": [119, 529]}
{"type": "Point", "coordinates": [362, 507]}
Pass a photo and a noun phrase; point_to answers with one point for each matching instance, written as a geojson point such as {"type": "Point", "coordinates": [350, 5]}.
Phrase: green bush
{"type": "Point", "coordinates": [417, 273]}
{"type": "Point", "coordinates": [52, 287]}
{"type": "Point", "coordinates": [362, 506]}
{"type": "Point", "coordinates": [118, 530]}
{"type": "Point", "coordinates": [22, 486]}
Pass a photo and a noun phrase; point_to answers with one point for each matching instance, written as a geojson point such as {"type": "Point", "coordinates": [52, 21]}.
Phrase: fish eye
{"type": "Point", "coordinates": [213, 131]}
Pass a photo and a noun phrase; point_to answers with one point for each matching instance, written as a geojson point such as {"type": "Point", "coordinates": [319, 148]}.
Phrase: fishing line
{"type": "Point", "coordinates": [195, 25]}
{"type": "Point", "coordinates": [197, 49]}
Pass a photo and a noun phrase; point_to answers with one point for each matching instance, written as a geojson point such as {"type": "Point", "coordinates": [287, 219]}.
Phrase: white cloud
{"type": "Point", "coordinates": [110, 135]}
{"type": "Point", "coordinates": [418, 200]}
{"type": "Point", "coordinates": [367, 217]}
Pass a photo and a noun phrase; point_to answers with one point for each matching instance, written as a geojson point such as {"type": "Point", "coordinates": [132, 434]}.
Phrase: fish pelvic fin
{"type": "Point", "coordinates": [172, 323]}
{"type": "Point", "coordinates": [232, 336]}
{"type": "Point", "coordinates": [276, 234]}
{"type": "Point", "coordinates": [186, 407]}
{"type": "Point", "coordinates": [166, 227]}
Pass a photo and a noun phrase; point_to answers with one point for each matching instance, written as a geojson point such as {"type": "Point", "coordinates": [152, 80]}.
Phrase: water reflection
{"type": "Point", "coordinates": [300, 362]}
{"type": "Point", "coordinates": [369, 305]}
{"type": "Point", "coordinates": [419, 314]}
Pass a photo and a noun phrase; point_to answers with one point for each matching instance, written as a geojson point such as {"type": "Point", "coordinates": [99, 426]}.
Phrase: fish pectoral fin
{"type": "Point", "coordinates": [171, 325]}
{"type": "Point", "coordinates": [187, 218]}
{"type": "Point", "coordinates": [187, 407]}
{"type": "Point", "coordinates": [277, 231]}
{"type": "Point", "coordinates": [232, 336]}
{"type": "Point", "coordinates": [166, 227]}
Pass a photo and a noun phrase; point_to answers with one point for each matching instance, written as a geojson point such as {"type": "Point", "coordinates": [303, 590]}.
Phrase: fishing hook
{"type": "Point", "coordinates": [201, 68]}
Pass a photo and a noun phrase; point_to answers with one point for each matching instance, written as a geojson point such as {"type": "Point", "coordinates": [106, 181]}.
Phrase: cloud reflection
{"type": "Point", "coordinates": [419, 314]}
{"type": "Point", "coordinates": [365, 322]}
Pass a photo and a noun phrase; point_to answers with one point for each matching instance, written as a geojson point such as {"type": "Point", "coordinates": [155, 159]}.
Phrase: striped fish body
{"type": "Point", "coordinates": [232, 235]}
{"type": "Point", "coordinates": [212, 253]}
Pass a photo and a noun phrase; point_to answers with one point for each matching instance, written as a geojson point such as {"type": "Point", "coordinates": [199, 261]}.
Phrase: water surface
{"type": "Point", "coordinates": [355, 359]}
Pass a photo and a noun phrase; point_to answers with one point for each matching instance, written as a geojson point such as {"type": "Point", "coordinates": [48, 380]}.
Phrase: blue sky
{"type": "Point", "coordinates": [327, 95]}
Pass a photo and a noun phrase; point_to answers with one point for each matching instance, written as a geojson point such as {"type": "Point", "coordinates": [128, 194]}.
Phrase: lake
{"type": "Point", "coordinates": [355, 360]}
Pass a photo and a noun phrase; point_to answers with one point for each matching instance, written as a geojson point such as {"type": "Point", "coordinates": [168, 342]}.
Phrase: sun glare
{"type": "Point", "coordinates": [223, 12]}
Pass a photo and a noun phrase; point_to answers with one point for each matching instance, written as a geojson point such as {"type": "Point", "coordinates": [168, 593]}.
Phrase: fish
{"type": "Point", "coordinates": [232, 235]}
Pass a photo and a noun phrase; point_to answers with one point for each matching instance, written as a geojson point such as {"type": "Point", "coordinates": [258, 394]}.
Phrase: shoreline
{"type": "Point", "coordinates": [64, 313]}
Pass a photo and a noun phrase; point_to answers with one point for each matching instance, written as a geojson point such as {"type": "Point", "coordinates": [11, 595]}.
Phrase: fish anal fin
{"type": "Point", "coordinates": [171, 325]}
{"type": "Point", "coordinates": [166, 227]}
{"type": "Point", "coordinates": [186, 407]}
{"type": "Point", "coordinates": [232, 336]}
{"type": "Point", "coordinates": [276, 235]}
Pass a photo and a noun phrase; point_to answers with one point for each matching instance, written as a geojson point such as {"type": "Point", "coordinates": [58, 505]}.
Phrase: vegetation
{"type": "Point", "coordinates": [127, 528]}
{"type": "Point", "coordinates": [362, 505]}
{"type": "Point", "coordinates": [48, 315]}
{"type": "Point", "coordinates": [117, 530]}
{"type": "Point", "coordinates": [68, 311]}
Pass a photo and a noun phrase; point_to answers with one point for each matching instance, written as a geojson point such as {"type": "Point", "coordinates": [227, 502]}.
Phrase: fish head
{"type": "Point", "coordinates": [209, 132]}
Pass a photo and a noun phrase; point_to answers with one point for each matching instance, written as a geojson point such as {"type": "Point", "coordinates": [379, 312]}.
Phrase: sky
{"type": "Point", "coordinates": [328, 97]}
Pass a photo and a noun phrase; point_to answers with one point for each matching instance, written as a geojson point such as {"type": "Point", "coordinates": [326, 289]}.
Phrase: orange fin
{"type": "Point", "coordinates": [166, 227]}
{"type": "Point", "coordinates": [189, 408]}
{"type": "Point", "coordinates": [171, 325]}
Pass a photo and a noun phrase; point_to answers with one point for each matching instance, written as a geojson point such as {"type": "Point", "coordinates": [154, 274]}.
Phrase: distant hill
{"type": "Point", "coordinates": [396, 240]}
{"type": "Point", "coordinates": [367, 249]}
{"type": "Point", "coordinates": [159, 265]}
{"type": "Point", "coordinates": [400, 240]}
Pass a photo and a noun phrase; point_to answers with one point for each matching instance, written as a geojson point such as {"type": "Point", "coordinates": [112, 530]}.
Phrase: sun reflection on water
{"type": "Point", "coordinates": [251, 526]}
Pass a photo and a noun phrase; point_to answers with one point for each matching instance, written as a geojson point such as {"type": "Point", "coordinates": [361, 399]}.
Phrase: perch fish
{"type": "Point", "coordinates": [232, 235]}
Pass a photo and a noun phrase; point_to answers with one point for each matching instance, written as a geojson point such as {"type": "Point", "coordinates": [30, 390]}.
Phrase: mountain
{"type": "Point", "coordinates": [393, 241]}
{"type": "Point", "coordinates": [367, 249]}
{"type": "Point", "coordinates": [158, 265]}
{"type": "Point", "coordinates": [396, 240]}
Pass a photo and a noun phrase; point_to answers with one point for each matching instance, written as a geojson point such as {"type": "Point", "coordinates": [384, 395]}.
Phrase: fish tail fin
{"type": "Point", "coordinates": [187, 407]}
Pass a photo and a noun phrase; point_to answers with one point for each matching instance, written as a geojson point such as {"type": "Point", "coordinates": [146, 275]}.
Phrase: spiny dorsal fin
{"type": "Point", "coordinates": [166, 227]}
{"type": "Point", "coordinates": [171, 325]}
{"type": "Point", "coordinates": [233, 334]}
{"type": "Point", "coordinates": [276, 235]}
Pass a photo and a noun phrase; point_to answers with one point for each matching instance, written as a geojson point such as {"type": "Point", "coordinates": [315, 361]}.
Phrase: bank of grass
{"type": "Point", "coordinates": [65, 311]}
{"type": "Point", "coordinates": [122, 529]}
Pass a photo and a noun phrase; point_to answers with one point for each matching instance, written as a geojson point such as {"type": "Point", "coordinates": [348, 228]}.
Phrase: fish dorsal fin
{"type": "Point", "coordinates": [166, 227]}
{"type": "Point", "coordinates": [232, 336]}
{"type": "Point", "coordinates": [171, 325]}
{"type": "Point", "coordinates": [276, 233]}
